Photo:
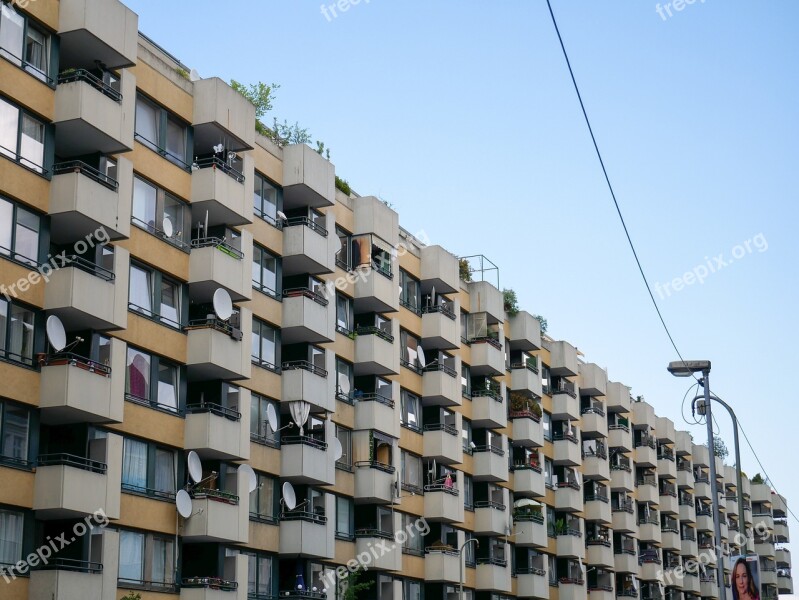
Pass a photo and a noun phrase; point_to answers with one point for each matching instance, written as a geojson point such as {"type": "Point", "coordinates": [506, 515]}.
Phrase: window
{"type": "Point", "coordinates": [267, 199]}
{"type": "Point", "coordinates": [547, 425]}
{"type": "Point", "coordinates": [37, 52]}
{"type": "Point", "coordinates": [468, 492]}
{"type": "Point", "coordinates": [368, 250]}
{"type": "Point", "coordinates": [262, 499]}
{"type": "Point", "coordinates": [548, 472]}
{"type": "Point", "coordinates": [24, 44]}
{"type": "Point", "coordinates": [265, 345]}
{"type": "Point", "coordinates": [344, 380]}
{"type": "Point", "coordinates": [259, 574]}
{"type": "Point", "coordinates": [343, 254]}
{"type": "Point", "coordinates": [344, 314]}
{"type": "Point", "coordinates": [11, 526]}
{"type": "Point", "coordinates": [148, 469]}
{"type": "Point", "coordinates": [146, 560]}
{"type": "Point", "coordinates": [345, 518]}
{"type": "Point", "coordinates": [162, 132]}
{"type": "Point", "coordinates": [545, 379]}
{"type": "Point", "coordinates": [19, 233]}
{"type": "Point", "coordinates": [265, 271]}
{"type": "Point", "coordinates": [414, 540]}
{"type": "Point", "coordinates": [412, 472]}
{"type": "Point", "coordinates": [260, 431]}
{"type": "Point", "coordinates": [469, 551]}
{"type": "Point", "coordinates": [15, 426]}
{"type": "Point", "coordinates": [143, 370]}
{"type": "Point", "coordinates": [411, 416]}
{"type": "Point", "coordinates": [466, 381]}
{"type": "Point", "coordinates": [409, 351]}
{"type": "Point", "coordinates": [153, 207]}
{"type": "Point", "coordinates": [156, 296]}
{"type": "Point", "coordinates": [466, 434]}
{"type": "Point", "coordinates": [344, 436]}
{"type": "Point", "coordinates": [409, 292]}
{"type": "Point", "coordinates": [411, 590]}
{"type": "Point", "coordinates": [16, 333]}
{"type": "Point", "coordinates": [21, 136]}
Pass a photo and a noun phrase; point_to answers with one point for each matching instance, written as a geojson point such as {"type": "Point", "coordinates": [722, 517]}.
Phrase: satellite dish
{"type": "Point", "coordinates": [55, 333]}
{"type": "Point", "coordinates": [289, 497]}
{"type": "Point", "coordinates": [167, 227]}
{"type": "Point", "coordinates": [337, 449]}
{"type": "Point", "coordinates": [223, 305]}
{"type": "Point", "coordinates": [422, 361]}
{"type": "Point", "coordinates": [282, 215]}
{"type": "Point", "coordinates": [194, 75]}
{"type": "Point", "coordinates": [195, 467]}
{"type": "Point", "coordinates": [183, 502]}
{"type": "Point", "coordinates": [271, 417]}
{"type": "Point", "coordinates": [246, 471]}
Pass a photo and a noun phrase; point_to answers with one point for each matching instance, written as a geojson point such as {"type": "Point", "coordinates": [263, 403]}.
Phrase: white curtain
{"type": "Point", "coordinates": [31, 147]}
{"type": "Point", "coordinates": [147, 121]}
{"type": "Point", "coordinates": [12, 25]}
{"type": "Point", "coordinates": [168, 386]}
{"type": "Point", "coordinates": [10, 537]}
{"type": "Point", "coordinates": [141, 289]}
{"type": "Point", "coordinates": [165, 471]}
{"type": "Point", "coordinates": [163, 567]}
{"type": "Point", "coordinates": [131, 556]}
{"type": "Point", "coordinates": [134, 463]}
{"type": "Point", "coordinates": [300, 410]}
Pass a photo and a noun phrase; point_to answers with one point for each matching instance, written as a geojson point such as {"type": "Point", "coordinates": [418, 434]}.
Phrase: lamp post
{"type": "Point", "coordinates": [687, 369]}
{"type": "Point", "coordinates": [460, 560]}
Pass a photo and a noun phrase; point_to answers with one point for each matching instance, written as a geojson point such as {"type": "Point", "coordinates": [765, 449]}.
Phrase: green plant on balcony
{"type": "Point", "coordinates": [351, 588]}
{"type": "Point", "coordinates": [321, 150]}
{"type": "Point", "coordinates": [511, 302]}
{"type": "Point", "coordinates": [465, 269]}
{"type": "Point", "coordinates": [343, 185]}
{"type": "Point", "coordinates": [560, 527]}
{"type": "Point", "coordinates": [131, 596]}
{"type": "Point", "coordinates": [758, 478]}
{"type": "Point", "coordinates": [182, 72]}
{"type": "Point", "coordinates": [542, 321]}
{"type": "Point", "coordinates": [441, 546]}
{"type": "Point", "coordinates": [65, 72]}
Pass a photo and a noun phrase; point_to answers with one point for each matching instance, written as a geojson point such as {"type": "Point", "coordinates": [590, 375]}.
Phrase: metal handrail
{"type": "Point", "coordinates": [305, 440]}
{"type": "Point", "coordinates": [441, 487]}
{"type": "Point", "coordinates": [78, 166]}
{"type": "Point", "coordinates": [307, 293]}
{"type": "Point", "coordinates": [215, 409]}
{"type": "Point", "coordinates": [375, 464]}
{"type": "Point", "coordinates": [72, 460]}
{"type": "Point", "coordinates": [450, 429]}
{"type": "Point", "coordinates": [309, 223]}
{"type": "Point", "coordinates": [75, 360]}
{"type": "Point", "coordinates": [291, 365]}
{"type": "Point", "coordinates": [489, 448]}
{"type": "Point", "coordinates": [216, 162]}
{"type": "Point", "coordinates": [92, 80]}
{"type": "Point", "coordinates": [220, 245]}
{"type": "Point", "coordinates": [372, 330]}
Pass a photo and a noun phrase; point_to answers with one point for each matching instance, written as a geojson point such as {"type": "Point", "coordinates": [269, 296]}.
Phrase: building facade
{"type": "Point", "coordinates": [393, 412]}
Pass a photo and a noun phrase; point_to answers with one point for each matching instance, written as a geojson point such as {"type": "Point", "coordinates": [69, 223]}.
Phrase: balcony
{"type": "Point", "coordinates": [439, 270]}
{"type": "Point", "coordinates": [443, 504]}
{"type": "Point", "coordinates": [645, 454]}
{"type": "Point", "coordinates": [442, 566]}
{"type": "Point", "coordinates": [785, 584]}
{"type": "Point", "coordinates": [708, 587]}
{"type": "Point", "coordinates": [65, 579]}
{"type": "Point", "coordinates": [764, 547]}
{"type": "Point", "coordinates": [524, 333]}
{"type": "Point", "coordinates": [373, 411]}
{"type": "Point", "coordinates": [781, 530]}
{"type": "Point", "coordinates": [441, 326]}
{"type": "Point", "coordinates": [524, 377]}
{"type": "Point", "coordinates": [570, 543]}
{"type": "Point", "coordinates": [486, 298]}
{"type": "Point", "coordinates": [307, 534]}
{"type": "Point", "coordinates": [217, 350]}
{"type": "Point", "coordinates": [704, 520]}
{"type": "Point", "coordinates": [77, 390]}
{"type": "Point", "coordinates": [374, 482]}
{"type": "Point", "coordinates": [597, 508]}
{"type": "Point", "coordinates": [221, 191]}
{"type": "Point", "coordinates": [594, 421]}
{"type": "Point", "coordinates": [441, 385]}
{"type": "Point", "coordinates": [532, 583]}
{"type": "Point", "coordinates": [91, 116]}
{"type": "Point", "coordinates": [531, 531]}
{"type": "Point", "coordinates": [87, 296]}
{"type": "Point", "coordinates": [667, 468]}
{"type": "Point", "coordinates": [528, 482]}
{"type": "Point", "coordinates": [617, 397]}
{"type": "Point", "coordinates": [596, 467]}
{"type": "Point", "coordinates": [218, 432]}
{"type": "Point", "coordinates": [569, 497]}
{"type": "Point", "coordinates": [572, 589]}
{"type": "Point", "coordinates": [565, 404]}
{"type": "Point", "coordinates": [490, 464]}
{"type": "Point", "coordinates": [87, 35]}
{"type": "Point", "coordinates": [389, 559]}
{"type": "Point", "coordinates": [666, 433]}
{"type": "Point", "coordinates": [308, 246]}
{"type": "Point", "coordinates": [651, 565]}
{"type": "Point", "coordinates": [593, 379]}
{"type": "Point", "coordinates": [690, 584]}
{"type": "Point", "coordinates": [567, 450]}
{"type": "Point", "coordinates": [375, 352]}
{"type": "Point", "coordinates": [493, 574]}
{"type": "Point", "coordinates": [308, 317]}
{"type": "Point", "coordinates": [305, 460]}
{"type": "Point", "coordinates": [443, 443]}
{"type": "Point", "coordinates": [670, 537]}
{"type": "Point", "coordinates": [222, 113]}
{"type": "Point", "coordinates": [527, 429]}
{"type": "Point", "coordinates": [308, 179]}
{"type": "Point", "coordinates": [668, 500]}
{"type": "Point", "coordinates": [599, 552]}
{"type": "Point", "coordinates": [623, 517]}
{"type": "Point", "coordinates": [302, 380]}
{"type": "Point", "coordinates": [83, 200]}
{"type": "Point", "coordinates": [375, 290]}
{"type": "Point", "coordinates": [619, 436]}
{"type": "Point", "coordinates": [625, 560]}
{"type": "Point", "coordinates": [647, 489]}
{"type": "Point", "coordinates": [685, 476]}
{"type": "Point", "coordinates": [487, 357]}
{"type": "Point", "coordinates": [688, 546]}
{"type": "Point", "coordinates": [219, 516]}
{"type": "Point", "coordinates": [563, 359]}
{"type": "Point", "coordinates": [621, 477]}
{"type": "Point", "coordinates": [71, 487]}
{"type": "Point", "coordinates": [488, 409]}
{"type": "Point", "coordinates": [702, 487]}
{"type": "Point", "coordinates": [649, 528]}
{"type": "Point", "coordinates": [215, 263]}
{"type": "Point", "coordinates": [490, 518]}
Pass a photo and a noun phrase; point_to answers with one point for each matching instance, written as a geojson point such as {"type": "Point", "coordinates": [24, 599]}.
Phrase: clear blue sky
{"type": "Point", "coordinates": [462, 116]}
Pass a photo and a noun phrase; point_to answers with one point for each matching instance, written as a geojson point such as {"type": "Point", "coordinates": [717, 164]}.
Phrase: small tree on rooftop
{"type": "Point", "coordinates": [719, 448]}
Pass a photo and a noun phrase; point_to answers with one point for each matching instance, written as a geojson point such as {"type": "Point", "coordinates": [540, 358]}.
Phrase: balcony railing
{"type": "Point", "coordinates": [596, 409]}
{"type": "Point", "coordinates": [307, 440]}
{"type": "Point", "coordinates": [75, 360]}
{"type": "Point", "coordinates": [370, 532]}
{"type": "Point", "coordinates": [450, 429]}
{"type": "Point", "coordinates": [431, 368]}
{"type": "Point", "coordinates": [441, 487]}
{"type": "Point", "coordinates": [564, 386]}
{"type": "Point", "coordinates": [309, 223]}
{"type": "Point", "coordinates": [215, 495]}
{"type": "Point", "coordinates": [72, 75]}
{"type": "Point", "coordinates": [211, 583]}
{"type": "Point", "coordinates": [374, 464]}
{"type": "Point", "coordinates": [71, 460]}
{"type": "Point", "coordinates": [489, 448]}
{"type": "Point", "coordinates": [490, 504]}
{"type": "Point", "coordinates": [214, 409]}
{"type": "Point", "coordinates": [215, 162]}
{"type": "Point", "coordinates": [492, 560]}
{"type": "Point", "coordinates": [623, 506]}
{"type": "Point", "coordinates": [78, 166]}
{"type": "Point", "coordinates": [646, 441]}
{"type": "Point", "coordinates": [69, 564]}
{"type": "Point", "coordinates": [291, 365]}
{"type": "Point", "coordinates": [531, 364]}
{"type": "Point", "coordinates": [220, 245]}
{"type": "Point", "coordinates": [372, 397]}
{"type": "Point", "coordinates": [445, 308]}
{"type": "Point", "coordinates": [487, 340]}
{"type": "Point", "coordinates": [304, 515]}
{"type": "Point", "coordinates": [562, 435]}
{"type": "Point", "coordinates": [487, 392]}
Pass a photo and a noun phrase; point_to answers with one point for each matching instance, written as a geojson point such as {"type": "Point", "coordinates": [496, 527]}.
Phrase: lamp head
{"type": "Point", "coordinates": [680, 368]}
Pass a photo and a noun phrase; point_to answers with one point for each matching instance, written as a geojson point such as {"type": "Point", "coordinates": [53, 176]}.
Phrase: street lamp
{"type": "Point", "coordinates": [460, 559]}
{"type": "Point", "coordinates": [687, 368]}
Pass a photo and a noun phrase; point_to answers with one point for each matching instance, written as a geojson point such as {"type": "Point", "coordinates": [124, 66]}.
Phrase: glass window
{"type": "Point", "coordinates": [409, 350]}
{"type": "Point", "coordinates": [165, 471]}
{"type": "Point", "coordinates": [265, 271]}
{"type": "Point", "coordinates": [11, 523]}
{"type": "Point", "coordinates": [16, 332]}
{"type": "Point", "coordinates": [411, 467]}
{"type": "Point", "coordinates": [175, 140]}
{"type": "Point", "coordinates": [266, 199]}
{"type": "Point", "coordinates": [343, 256]}
{"type": "Point", "coordinates": [148, 123]}
{"type": "Point", "coordinates": [19, 233]}
{"type": "Point", "coordinates": [259, 425]}
{"type": "Point", "coordinates": [14, 432]}
{"type": "Point", "coordinates": [410, 410]}
{"type": "Point", "coordinates": [141, 290]}
{"type": "Point", "coordinates": [547, 425]}
{"type": "Point", "coordinates": [265, 340]}
{"type": "Point", "coordinates": [37, 55]}
{"type": "Point", "coordinates": [9, 122]}
{"type": "Point", "coordinates": [134, 464]}
{"type": "Point", "coordinates": [259, 574]}
{"type": "Point", "coordinates": [31, 143]}
{"type": "Point", "coordinates": [170, 303]}
{"type": "Point", "coordinates": [262, 499]}
{"type": "Point", "coordinates": [414, 541]}
{"type": "Point", "coordinates": [344, 436]}
{"type": "Point", "coordinates": [468, 492]}
{"type": "Point", "coordinates": [149, 289]}
{"type": "Point", "coordinates": [131, 557]}
{"type": "Point", "coordinates": [411, 590]}
{"type": "Point", "coordinates": [345, 517]}
{"type": "Point", "coordinates": [466, 433]}
{"type": "Point", "coordinates": [138, 375]}
{"type": "Point", "coordinates": [163, 561]}
{"type": "Point", "coordinates": [344, 380]}
{"type": "Point", "coordinates": [409, 292]}
{"type": "Point", "coordinates": [12, 27]}
{"type": "Point", "coordinates": [344, 314]}
{"type": "Point", "coordinates": [144, 203]}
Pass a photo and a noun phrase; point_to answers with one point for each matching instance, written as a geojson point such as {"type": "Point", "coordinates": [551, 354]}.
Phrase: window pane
{"type": "Point", "coordinates": [131, 556]}
{"type": "Point", "coordinates": [175, 140]}
{"type": "Point", "coordinates": [36, 54]}
{"type": "Point", "coordinates": [15, 433]}
{"type": "Point", "coordinates": [170, 303]}
{"type": "Point", "coordinates": [26, 243]}
{"type": "Point", "coordinates": [265, 576]}
{"type": "Point", "coordinates": [10, 537]}
{"type": "Point", "coordinates": [176, 212]}
{"type": "Point", "coordinates": [165, 471]}
{"type": "Point", "coordinates": [31, 143]}
{"type": "Point", "coordinates": [168, 385]}
{"type": "Point", "coordinates": [147, 123]}
{"type": "Point", "coordinates": [144, 197]}
{"type": "Point", "coordinates": [6, 214]}
{"type": "Point", "coordinates": [163, 561]}
{"type": "Point", "coordinates": [20, 334]}
{"type": "Point", "coordinates": [3, 324]}
{"type": "Point", "coordinates": [12, 25]}
{"type": "Point", "coordinates": [9, 119]}
{"type": "Point", "coordinates": [138, 375]}
{"type": "Point", "coordinates": [343, 516]}
{"type": "Point", "coordinates": [141, 290]}
{"type": "Point", "coordinates": [267, 344]}
{"type": "Point", "coordinates": [134, 464]}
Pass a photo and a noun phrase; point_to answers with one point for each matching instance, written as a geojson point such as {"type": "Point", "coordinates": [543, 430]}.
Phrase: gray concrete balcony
{"type": "Point", "coordinates": [571, 544]}
{"type": "Point", "coordinates": [493, 574]}
{"type": "Point", "coordinates": [572, 589]}
{"type": "Point", "coordinates": [306, 460]}
{"type": "Point", "coordinates": [83, 200]}
{"type": "Point", "coordinates": [567, 450]}
{"type": "Point", "coordinates": [599, 553]}
{"type": "Point", "coordinates": [484, 297]}
{"type": "Point", "coordinates": [441, 326]}
{"type": "Point", "coordinates": [308, 534]}
{"type": "Point", "coordinates": [373, 411]}
{"type": "Point", "coordinates": [308, 317]}
{"type": "Point", "coordinates": [443, 443]}
{"type": "Point", "coordinates": [376, 352]}
{"type": "Point", "coordinates": [308, 179]}
{"type": "Point", "coordinates": [217, 350]}
{"type": "Point", "coordinates": [374, 482]}
{"type": "Point", "coordinates": [645, 453]}
{"type": "Point", "coordinates": [565, 403]}
{"type": "Point", "coordinates": [569, 497]}
{"type": "Point", "coordinates": [532, 584]}
{"type": "Point", "coordinates": [375, 291]}
{"type": "Point", "coordinates": [487, 357]}
{"type": "Point", "coordinates": [625, 560]}
{"type": "Point", "coordinates": [596, 467]}
{"type": "Point", "coordinates": [442, 566]}
{"type": "Point", "coordinates": [442, 503]}
{"type": "Point", "coordinates": [309, 247]}
{"type": "Point", "coordinates": [220, 112]}
{"type": "Point", "coordinates": [524, 377]}
{"type": "Point", "coordinates": [439, 270]}
{"type": "Point", "coordinates": [620, 436]}
{"type": "Point", "coordinates": [218, 432]}
{"type": "Point", "coordinates": [708, 587]}
{"type": "Point", "coordinates": [214, 263]}
{"type": "Point", "coordinates": [219, 516]}
{"type": "Point", "coordinates": [488, 408]}
{"type": "Point", "coordinates": [525, 332]}
{"type": "Point", "coordinates": [623, 517]}
{"type": "Point", "coordinates": [593, 379]}
{"type": "Point", "coordinates": [617, 397]}
{"type": "Point", "coordinates": [221, 191]}
{"type": "Point", "coordinates": [441, 385]}
{"type": "Point", "coordinates": [490, 518]}
{"type": "Point", "coordinates": [302, 380]}
{"type": "Point", "coordinates": [597, 508]}
{"type": "Point", "coordinates": [530, 530]}
{"type": "Point", "coordinates": [563, 359]}
{"type": "Point", "coordinates": [529, 482]}
{"type": "Point", "coordinates": [490, 464]}
{"type": "Point", "coordinates": [594, 422]}
{"type": "Point", "coordinates": [91, 116]}
{"type": "Point", "coordinates": [527, 429]}
{"type": "Point", "coordinates": [621, 478]}
{"type": "Point", "coordinates": [77, 390]}
{"type": "Point", "coordinates": [86, 34]}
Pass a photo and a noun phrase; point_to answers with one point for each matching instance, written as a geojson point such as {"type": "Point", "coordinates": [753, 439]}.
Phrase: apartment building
{"type": "Point", "coordinates": [393, 413]}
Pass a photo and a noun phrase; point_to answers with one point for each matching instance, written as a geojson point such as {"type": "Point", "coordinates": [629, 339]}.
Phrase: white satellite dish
{"type": "Point", "coordinates": [422, 361]}
{"type": "Point", "coordinates": [271, 417]}
{"type": "Point", "coordinates": [282, 215]}
{"type": "Point", "coordinates": [183, 502]}
{"type": "Point", "coordinates": [246, 471]}
{"type": "Point", "coordinates": [338, 451]}
{"type": "Point", "coordinates": [195, 467]}
{"type": "Point", "coordinates": [55, 333]}
{"type": "Point", "coordinates": [289, 497]}
{"type": "Point", "coordinates": [223, 305]}
{"type": "Point", "coordinates": [194, 75]}
{"type": "Point", "coordinates": [167, 228]}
